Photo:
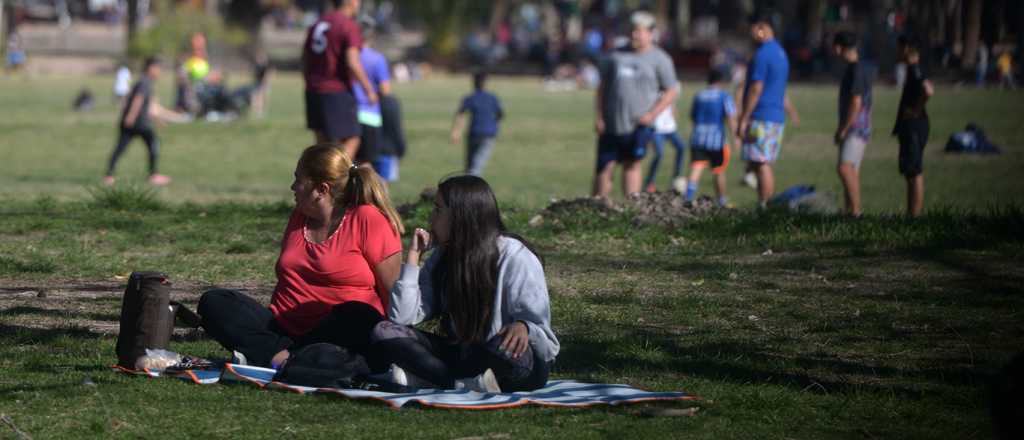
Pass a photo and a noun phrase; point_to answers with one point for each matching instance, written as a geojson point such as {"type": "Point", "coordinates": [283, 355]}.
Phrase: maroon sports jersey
{"type": "Point", "coordinates": [325, 67]}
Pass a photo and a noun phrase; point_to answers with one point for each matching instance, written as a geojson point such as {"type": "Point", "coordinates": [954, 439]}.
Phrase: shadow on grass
{"type": "Point", "coordinates": [21, 335]}
{"type": "Point", "coordinates": [744, 363]}
{"type": "Point", "coordinates": [54, 313]}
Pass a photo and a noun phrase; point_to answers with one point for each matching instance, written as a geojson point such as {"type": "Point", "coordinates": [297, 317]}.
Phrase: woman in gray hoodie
{"type": "Point", "coordinates": [486, 285]}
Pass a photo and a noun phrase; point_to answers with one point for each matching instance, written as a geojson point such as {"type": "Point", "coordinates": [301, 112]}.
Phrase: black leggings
{"type": "Point", "coordinates": [240, 323]}
{"type": "Point", "coordinates": [125, 137]}
{"type": "Point", "coordinates": [441, 361]}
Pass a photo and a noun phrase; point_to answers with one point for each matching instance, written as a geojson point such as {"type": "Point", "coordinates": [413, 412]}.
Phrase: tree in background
{"type": "Point", "coordinates": [175, 22]}
{"type": "Point", "coordinates": [445, 21]}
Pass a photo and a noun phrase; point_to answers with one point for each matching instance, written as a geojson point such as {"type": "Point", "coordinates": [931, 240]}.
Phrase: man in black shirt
{"type": "Point", "coordinates": [854, 129]}
{"type": "Point", "coordinates": [912, 123]}
{"type": "Point", "coordinates": [136, 120]}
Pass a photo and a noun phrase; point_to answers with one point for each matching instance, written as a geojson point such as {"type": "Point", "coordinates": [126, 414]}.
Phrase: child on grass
{"type": "Point", "coordinates": [139, 108]}
{"type": "Point", "coordinates": [712, 109]}
{"type": "Point", "coordinates": [912, 124]}
{"type": "Point", "coordinates": [485, 113]}
{"type": "Point", "coordinates": [665, 128]}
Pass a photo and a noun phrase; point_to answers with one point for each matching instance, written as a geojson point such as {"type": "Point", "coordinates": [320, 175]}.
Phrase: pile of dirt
{"type": "Point", "coordinates": [659, 209]}
{"type": "Point", "coordinates": [668, 209]}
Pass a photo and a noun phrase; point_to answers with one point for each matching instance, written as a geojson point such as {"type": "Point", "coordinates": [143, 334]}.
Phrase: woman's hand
{"type": "Point", "coordinates": [517, 338]}
{"type": "Point", "coordinates": [420, 244]}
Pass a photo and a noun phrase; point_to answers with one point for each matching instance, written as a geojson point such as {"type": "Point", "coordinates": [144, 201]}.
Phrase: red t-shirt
{"type": "Point", "coordinates": [325, 66]}
{"type": "Point", "coordinates": [312, 277]}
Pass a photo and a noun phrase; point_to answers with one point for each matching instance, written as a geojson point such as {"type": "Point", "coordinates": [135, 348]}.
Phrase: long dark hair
{"type": "Point", "coordinates": [468, 267]}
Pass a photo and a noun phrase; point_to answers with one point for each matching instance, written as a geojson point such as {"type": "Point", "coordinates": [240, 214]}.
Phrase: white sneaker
{"type": "Point", "coordinates": [484, 383]}
{"type": "Point", "coordinates": [397, 376]}
{"type": "Point", "coordinates": [238, 358]}
{"type": "Point", "coordinates": [679, 184]}
{"type": "Point", "coordinates": [750, 179]}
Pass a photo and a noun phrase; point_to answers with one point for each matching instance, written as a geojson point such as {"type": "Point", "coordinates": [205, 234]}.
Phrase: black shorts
{"type": "Point", "coordinates": [913, 136]}
{"type": "Point", "coordinates": [717, 158]}
{"type": "Point", "coordinates": [333, 114]}
{"type": "Point", "coordinates": [621, 148]}
{"type": "Point", "coordinates": [369, 144]}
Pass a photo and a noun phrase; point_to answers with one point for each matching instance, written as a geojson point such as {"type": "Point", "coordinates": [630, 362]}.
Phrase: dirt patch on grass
{"type": "Point", "coordinates": [665, 208]}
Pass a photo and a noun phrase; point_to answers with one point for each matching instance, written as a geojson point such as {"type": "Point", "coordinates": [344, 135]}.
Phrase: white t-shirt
{"type": "Point", "coordinates": [123, 82]}
{"type": "Point", "coordinates": [665, 123]}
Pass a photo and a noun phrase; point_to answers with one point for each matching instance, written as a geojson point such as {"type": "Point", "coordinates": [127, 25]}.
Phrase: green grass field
{"type": "Point", "coordinates": [877, 328]}
{"type": "Point", "coordinates": [545, 150]}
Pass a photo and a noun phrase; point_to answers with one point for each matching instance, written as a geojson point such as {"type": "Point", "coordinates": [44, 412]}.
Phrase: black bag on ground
{"type": "Point", "coordinates": [147, 319]}
{"type": "Point", "coordinates": [324, 365]}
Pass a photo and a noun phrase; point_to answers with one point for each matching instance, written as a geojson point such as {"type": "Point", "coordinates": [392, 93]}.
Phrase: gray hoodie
{"type": "Point", "coordinates": [522, 295]}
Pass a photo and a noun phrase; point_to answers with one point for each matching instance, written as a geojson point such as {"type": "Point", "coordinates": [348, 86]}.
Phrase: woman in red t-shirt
{"type": "Point", "coordinates": [340, 256]}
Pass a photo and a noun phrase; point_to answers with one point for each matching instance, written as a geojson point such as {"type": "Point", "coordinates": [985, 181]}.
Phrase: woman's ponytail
{"type": "Point", "coordinates": [366, 188]}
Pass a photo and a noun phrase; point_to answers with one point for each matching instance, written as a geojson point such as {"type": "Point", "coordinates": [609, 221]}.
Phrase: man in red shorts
{"type": "Point", "coordinates": [330, 61]}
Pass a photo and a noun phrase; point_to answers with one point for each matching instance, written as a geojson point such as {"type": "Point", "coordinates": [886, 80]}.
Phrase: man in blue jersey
{"type": "Point", "coordinates": [763, 116]}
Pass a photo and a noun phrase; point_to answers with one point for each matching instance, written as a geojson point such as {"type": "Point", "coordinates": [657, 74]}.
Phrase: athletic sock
{"type": "Point", "coordinates": [723, 201]}
{"type": "Point", "coordinates": [691, 190]}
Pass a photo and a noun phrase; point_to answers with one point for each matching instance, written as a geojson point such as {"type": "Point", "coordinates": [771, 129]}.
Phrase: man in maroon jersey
{"type": "Point", "coordinates": [330, 60]}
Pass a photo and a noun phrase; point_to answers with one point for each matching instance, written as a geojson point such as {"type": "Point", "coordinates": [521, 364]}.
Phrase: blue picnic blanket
{"type": "Point", "coordinates": [559, 393]}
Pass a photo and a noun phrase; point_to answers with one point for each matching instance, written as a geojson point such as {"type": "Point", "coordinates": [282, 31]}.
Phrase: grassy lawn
{"type": "Point", "coordinates": [878, 328]}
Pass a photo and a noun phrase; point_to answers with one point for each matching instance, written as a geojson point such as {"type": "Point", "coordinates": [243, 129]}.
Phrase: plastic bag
{"type": "Point", "coordinates": [158, 360]}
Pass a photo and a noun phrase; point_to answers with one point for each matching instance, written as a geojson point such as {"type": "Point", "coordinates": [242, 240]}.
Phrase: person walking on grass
{"type": "Point", "coordinates": [763, 115]}
{"type": "Point", "coordinates": [485, 114]}
{"type": "Point", "coordinates": [1005, 66]}
{"type": "Point", "coordinates": [712, 109]}
{"type": "Point", "coordinates": [137, 116]}
{"type": "Point", "coordinates": [665, 129]}
{"type": "Point", "coordinates": [330, 64]}
{"type": "Point", "coordinates": [912, 123]}
{"type": "Point", "coordinates": [637, 84]}
{"type": "Point", "coordinates": [854, 130]}
{"type": "Point", "coordinates": [488, 288]}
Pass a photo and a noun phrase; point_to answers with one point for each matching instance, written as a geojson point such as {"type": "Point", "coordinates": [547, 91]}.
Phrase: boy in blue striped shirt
{"type": "Point", "coordinates": [712, 109]}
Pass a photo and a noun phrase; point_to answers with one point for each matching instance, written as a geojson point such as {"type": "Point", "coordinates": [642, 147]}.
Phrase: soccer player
{"type": "Point", "coordinates": [712, 109]}
{"type": "Point", "coordinates": [330, 62]}
{"type": "Point", "coordinates": [486, 112]}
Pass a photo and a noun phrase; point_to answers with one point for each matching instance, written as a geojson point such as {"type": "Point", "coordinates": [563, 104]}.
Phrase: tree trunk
{"type": "Point", "coordinates": [972, 32]}
{"type": "Point", "coordinates": [246, 15]}
{"type": "Point", "coordinates": [3, 29]}
{"type": "Point", "coordinates": [132, 24]}
{"type": "Point", "coordinates": [815, 21]}
{"type": "Point", "coordinates": [443, 20]}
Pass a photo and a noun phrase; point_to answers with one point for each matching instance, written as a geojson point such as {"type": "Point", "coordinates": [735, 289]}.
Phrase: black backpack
{"type": "Point", "coordinates": [324, 365]}
{"type": "Point", "coordinates": [147, 317]}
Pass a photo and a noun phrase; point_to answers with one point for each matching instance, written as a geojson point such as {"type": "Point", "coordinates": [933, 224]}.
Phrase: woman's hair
{"type": "Point", "coordinates": [351, 185]}
{"type": "Point", "coordinates": [468, 274]}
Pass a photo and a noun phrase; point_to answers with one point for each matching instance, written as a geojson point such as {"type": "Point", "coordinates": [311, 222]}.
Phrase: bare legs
{"type": "Point", "coordinates": [915, 195]}
{"type": "Point", "coordinates": [632, 178]}
{"type": "Point", "coordinates": [850, 176]}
